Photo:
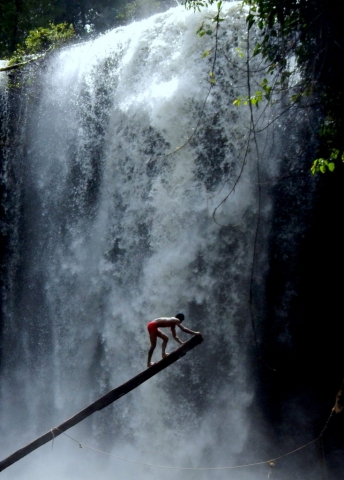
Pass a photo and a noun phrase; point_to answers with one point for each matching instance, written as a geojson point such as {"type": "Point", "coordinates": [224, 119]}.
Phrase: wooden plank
{"type": "Point", "coordinates": [103, 402]}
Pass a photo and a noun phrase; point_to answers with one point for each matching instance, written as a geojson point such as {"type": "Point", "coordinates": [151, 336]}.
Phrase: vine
{"type": "Point", "coordinates": [305, 39]}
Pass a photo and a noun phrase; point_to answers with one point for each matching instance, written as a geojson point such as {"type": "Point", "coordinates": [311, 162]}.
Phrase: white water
{"type": "Point", "coordinates": [3, 76]}
{"type": "Point", "coordinates": [116, 232]}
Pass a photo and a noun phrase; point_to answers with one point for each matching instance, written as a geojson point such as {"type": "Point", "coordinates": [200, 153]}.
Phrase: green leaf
{"type": "Point", "coordinates": [250, 20]}
{"type": "Point", "coordinates": [257, 49]}
{"type": "Point", "coordinates": [334, 154]}
{"type": "Point", "coordinates": [239, 52]}
{"type": "Point", "coordinates": [200, 29]}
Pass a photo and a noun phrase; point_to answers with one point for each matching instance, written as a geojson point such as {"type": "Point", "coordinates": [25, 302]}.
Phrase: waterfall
{"type": "Point", "coordinates": [127, 153]}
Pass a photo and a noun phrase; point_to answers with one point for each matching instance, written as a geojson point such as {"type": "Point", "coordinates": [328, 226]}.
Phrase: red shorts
{"type": "Point", "coordinates": [152, 328]}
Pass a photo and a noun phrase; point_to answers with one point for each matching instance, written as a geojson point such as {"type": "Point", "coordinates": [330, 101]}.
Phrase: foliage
{"type": "Point", "coordinates": [322, 165]}
{"type": "Point", "coordinates": [134, 9]}
{"type": "Point", "coordinates": [206, 29]}
{"type": "Point", "coordinates": [216, 20]}
{"type": "Point", "coordinates": [309, 35]}
{"type": "Point", "coordinates": [19, 17]}
{"type": "Point", "coordinates": [311, 32]}
{"type": "Point", "coordinates": [198, 4]}
{"type": "Point", "coordinates": [41, 39]}
{"type": "Point", "coordinates": [307, 31]}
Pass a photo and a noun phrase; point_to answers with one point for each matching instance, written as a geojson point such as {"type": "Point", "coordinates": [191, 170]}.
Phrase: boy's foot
{"type": "Point", "coordinates": [165, 355]}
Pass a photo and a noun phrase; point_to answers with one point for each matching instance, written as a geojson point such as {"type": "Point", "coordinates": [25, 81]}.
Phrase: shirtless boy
{"type": "Point", "coordinates": [165, 322]}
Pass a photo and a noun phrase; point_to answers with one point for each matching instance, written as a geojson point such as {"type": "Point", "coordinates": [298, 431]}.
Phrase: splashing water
{"type": "Point", "coordinates": [116, 228]}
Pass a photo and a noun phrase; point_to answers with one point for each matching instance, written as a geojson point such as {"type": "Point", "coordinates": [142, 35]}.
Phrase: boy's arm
{"type": "Point", "coordinates": [187, 330]}
{"type": "Point", "coordinates": [175, 336]}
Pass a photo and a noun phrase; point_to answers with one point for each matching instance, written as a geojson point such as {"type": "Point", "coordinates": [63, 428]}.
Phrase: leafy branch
{"type": "Point", "coordinates": [323, 165]}
{"type": "Point", "coordinates": [40, 41]}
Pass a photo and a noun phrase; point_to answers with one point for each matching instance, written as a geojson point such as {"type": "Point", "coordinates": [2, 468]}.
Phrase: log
{"type": "Point", "coordinates": [21, 64]}
{"type": "Point", "coordinates": [103, 402]}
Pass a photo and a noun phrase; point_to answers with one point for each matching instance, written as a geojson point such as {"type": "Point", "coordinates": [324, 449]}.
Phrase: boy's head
{"type": "Point", "coordinates": [180, 316]}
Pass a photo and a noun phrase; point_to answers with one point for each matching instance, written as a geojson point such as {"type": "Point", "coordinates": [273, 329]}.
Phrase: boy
{"type": "Point", "coordinates": [165, 322]}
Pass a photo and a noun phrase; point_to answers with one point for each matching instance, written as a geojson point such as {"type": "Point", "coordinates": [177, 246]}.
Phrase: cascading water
{"type": "Point", "coordinates": [115, 227]}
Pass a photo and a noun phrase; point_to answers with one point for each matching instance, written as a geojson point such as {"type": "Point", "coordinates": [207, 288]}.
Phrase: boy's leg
{"type": "Point", "coordinates": [151, 349]}
{"type": "Point", "coordinates": [164, 342]}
